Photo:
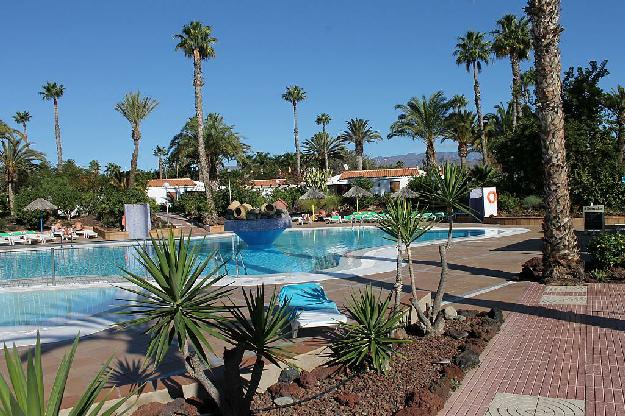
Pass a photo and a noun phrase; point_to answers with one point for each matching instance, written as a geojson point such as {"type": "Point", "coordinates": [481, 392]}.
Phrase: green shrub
{"type": "Point", "coordinates": [364, 183]}
{"type": "Point", "coordinates": [191, 204]}
{"type": "Point", "coordinates": [508, 203]}
{"type": "Point", "coordinates": [366, 343]}
{"type": "Point", "coordinates": [608, 250]}
{"type": "Point", "coordinates": [239, 193]}
{"type": "Point", "coordinates": [532, 202]}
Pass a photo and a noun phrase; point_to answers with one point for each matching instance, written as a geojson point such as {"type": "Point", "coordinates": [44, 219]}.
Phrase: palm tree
{"type": "Point", "coordinates": [528, 79]}
{"type": "Point", "coordinates": [16, 157]}
{"type": "Point", "coordinates": [324, 147]}
{"type": "Point", "coordinates": [53, 91]}
{"type": "Point", "coordinates": [295, 94]}
{"type": "Point", "coordinates": [513, 40]}
{"type": "Point", "coordinates": [458, 102]}
{"type": "Point", "coordinates": [423, 118]}
{"type": "Point", "coordinates": [23, 117]}
{"type": "Point", "coordinates": [196, 41]}
{"type": "Point", "coordinates": [472, 50]}
{"type": "Point", "coordinates": [561, 259]}
{"type": "Point", "coordinates": [615, 102]}
{"type": "Point", "coordinates": [359, 132]}
{"type": "Point", "coordinates": [461, 129]}
{"type": "Point", "coordinates": [160, 152]}
{"type": "Point", "coordinates": [221, 142]}
{"type": "Point", "coordinates": [500, 122]}
{"type": "Point", "coordinates": [135, 109]}
{"type": "Point", "coordinates": [323, 120]}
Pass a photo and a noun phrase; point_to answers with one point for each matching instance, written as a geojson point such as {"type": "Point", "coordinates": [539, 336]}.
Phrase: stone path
{"type": "Point", "coordinates": [560, 352]}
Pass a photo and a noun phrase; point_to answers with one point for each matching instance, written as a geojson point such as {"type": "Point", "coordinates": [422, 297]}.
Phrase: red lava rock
{"type": "Point", "coordinates": [423, 403]}
{"type": "Point", "coordinates": [307, 380]}
{"type": "Point", "coordinates": [532, 270]}
{"type": "Point", "coordinates": [323, 372]}
{"type": "Point", "coordinates": [441, 387]}
{"type": "Point", "coordinates": [476, 345]}
{"type": "Point", "coordinates": [347, 399]}
{"type": "Point", "coordinates": [149, 409]}
{"type": "Point", "coordinates": [179, 407]}
{"type": "Point", "coordinates": [285, 389]}
{"type": "Point", "coordinates": [453, 372]}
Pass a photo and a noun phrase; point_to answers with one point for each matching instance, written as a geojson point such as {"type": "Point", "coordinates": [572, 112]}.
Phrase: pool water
{"type": "Point", "coordinates": [301, 250]}
{"type": "Point", "coordinates": [49, 307]}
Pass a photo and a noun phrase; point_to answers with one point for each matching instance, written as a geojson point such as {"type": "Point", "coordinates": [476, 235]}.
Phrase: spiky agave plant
{"type": "Point", "coordinates": [25, 395]}
{"type": "Point", "coordinates": [256, 328]}
{"type": "Point", "coordinates": [366, 343]}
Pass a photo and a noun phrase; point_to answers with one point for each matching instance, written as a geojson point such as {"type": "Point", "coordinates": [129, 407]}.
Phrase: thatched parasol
{"type": "Point", "coordinates": [312, 194]}
{"type": "Point", "coordinates": [405, 193]}
{"type": "Point", "coordinates": [357, 192]}
{"type": "Point", "coordinates": [40, 205]}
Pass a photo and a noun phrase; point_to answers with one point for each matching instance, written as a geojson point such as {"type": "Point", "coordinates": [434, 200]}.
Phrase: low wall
{"type": "Point", "coordinates": [529, 221]}
{"type": "Point", "coordinates": [114, 235]}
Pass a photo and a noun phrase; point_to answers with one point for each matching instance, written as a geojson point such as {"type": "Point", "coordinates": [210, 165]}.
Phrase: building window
{"type": "Point", "coordinates": [395, 186]}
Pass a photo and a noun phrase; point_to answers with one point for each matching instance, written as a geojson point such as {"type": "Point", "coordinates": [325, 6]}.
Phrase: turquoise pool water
{"type": "Point", "coordinates": [294, 251]}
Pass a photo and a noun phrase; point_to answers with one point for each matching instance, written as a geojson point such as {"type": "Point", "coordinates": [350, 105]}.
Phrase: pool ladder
{"type": "Point", "coordinates": [238, 262]}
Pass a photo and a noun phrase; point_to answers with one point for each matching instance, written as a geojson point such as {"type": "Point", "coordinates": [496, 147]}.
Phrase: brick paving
{"type": "Point", "coordinates": [559, 351]}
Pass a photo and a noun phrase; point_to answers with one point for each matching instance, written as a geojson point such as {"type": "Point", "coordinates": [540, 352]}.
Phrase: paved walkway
{"type": "Point", "coordinates": [560, 352]}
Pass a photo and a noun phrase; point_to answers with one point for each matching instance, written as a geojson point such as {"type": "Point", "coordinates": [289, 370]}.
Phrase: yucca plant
{"type": "Point", "coordinates": [403, 225]}
{"type": "Point", "coordinates": [181, 303]}
{"type": "Point", "coordinates": [450, 190]}
{"type": "Point", "coordinates": [366, 343]}
{"type": "Point", "coordinates": [256, 328]}
{"type": "Point", "coordinates": [25, 395]}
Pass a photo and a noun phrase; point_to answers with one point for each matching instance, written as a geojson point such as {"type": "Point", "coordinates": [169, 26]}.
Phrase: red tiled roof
{"type": "Point", "coordinates": [381, 173]}
{"type": "Point", "coordinates": [156, 183]}
{"type": "Point", "coordinates": [268, 182]}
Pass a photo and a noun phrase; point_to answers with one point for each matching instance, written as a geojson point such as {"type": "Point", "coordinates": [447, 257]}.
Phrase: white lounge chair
{"type": "Point", "coordinates": [310, 306]}
{"type": "Point", "coordinates": [87, 233]}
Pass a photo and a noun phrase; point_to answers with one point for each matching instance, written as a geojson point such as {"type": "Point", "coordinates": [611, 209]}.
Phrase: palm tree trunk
{"type": "Point", "coordinates": [160, 168]}
{"type": "Point", "coordinates": [298, 154]}
{"type": "Point", "coordinates": [199, 113]}
{"type": "Point", "coordinates": [462, 154]}
{"type": "Point", "coordinates": [57, 135]}
{"type": "Point", "coordinates": [327, 160]}
{"type": "Point", "coordinates": [136, 137]}
{"type": "Point", "coordinates": [480, 116]}
{"type": "Point", "coordinates": [11, 197]}
{"type": "Point", "coordinates": [257, 373]}
{"type": "Point", "coordinates": [440, 291]}
{"type": "Point", "coordinates": [359, 149]}
{"type": "Point", "coordinates": [516, 90]}
{"type": "Point", "coordinates": [25, 132]}
{"type": "Point", "coordinates": [423, 320]}
{"type": "Point", "coordinates": [430, 153]}
{"type": "Point", "coordinates": [561, 257]}
{"type": "Point", "coordinates": [620, 139]}
{"type": "Point", "coordinates": [195, 368]}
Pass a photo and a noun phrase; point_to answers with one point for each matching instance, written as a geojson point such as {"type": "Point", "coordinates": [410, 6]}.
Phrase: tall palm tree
{"type": "Point", "coordinates": [23, 117]}
{"type": "Point", "coordinates": [472, 50]}
{"type": "Point", "coordinates": [458, 102]}
{"type": "Point", "coordinates": [16, 157]}
{"type": "Point", "coordinates": [615, 102]}
{"type": "Point", "coordinates": [324, 147]}
{"type": "Point", "coordinates": [135, 109]}
{"type": "Point", "coordinates": [323, 120]}
{"type": "Point", "coordinates": [423, 118]}
{"type": "Point", "coordinates": [461, 129]}
{"type": "Point", "coordinates": [528, 79]}
{"type": "Point", "coordinates": [295, 94]}
{"type": "Point", "coordinates": [513, 40]}
{"type": "Point", "coordinates": [561, 257]}
{"type": "Point", "coordinates": [359, 132]}
{"type": "Point", "coordinates": [160, 152]}
{"type": "Point", "coordinates": [51, 91]}
{"type": "Point", "coordinates": [196, 42]}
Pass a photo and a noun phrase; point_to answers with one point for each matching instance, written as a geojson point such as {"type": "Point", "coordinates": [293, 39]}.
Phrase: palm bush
{"type": "Point", "coordinates": [366, 343]}
{"type": "Point", "coordinates": [25, 395]}
{"type": "Point", "coordinates": [180, 305]}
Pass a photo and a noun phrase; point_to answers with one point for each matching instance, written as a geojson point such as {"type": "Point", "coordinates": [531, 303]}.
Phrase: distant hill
{"type": "Point", "coordinates": [416, 159]}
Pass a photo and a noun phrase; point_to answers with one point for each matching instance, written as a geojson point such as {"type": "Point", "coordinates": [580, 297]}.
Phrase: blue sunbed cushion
{"type": "Point", "coordinates": [306, 296]}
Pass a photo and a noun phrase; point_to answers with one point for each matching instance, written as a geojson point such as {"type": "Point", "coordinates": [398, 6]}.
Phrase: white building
{"type": "Point", "coordinates": [384, 180]}
{"type": "Point", "coordinates": [266, 186]}
{"type": "Point", "coordinates": [166, 190]}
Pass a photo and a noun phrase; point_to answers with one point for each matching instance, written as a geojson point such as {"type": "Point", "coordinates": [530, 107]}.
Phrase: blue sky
{"type": "Point", "coordinates": [353, 58]}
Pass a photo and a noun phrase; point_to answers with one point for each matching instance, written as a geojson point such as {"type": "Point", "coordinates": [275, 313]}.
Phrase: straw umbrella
{"type": "Point", "coordinates": [405, 193]}
{"type": "Point", "coordinates": [311, 195]}
{"type": "Point", "coordinates": [357, 192]}
{"type": "Point", "coordinates": [40, 205]}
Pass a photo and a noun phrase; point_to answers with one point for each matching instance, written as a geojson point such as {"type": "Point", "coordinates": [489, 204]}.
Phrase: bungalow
{"type": "Point", "coordinates": [165, 190]}
{"type": "Point", "coordinates": [384, 180]}
{"type": "Point", "coordinates": [266, 186]}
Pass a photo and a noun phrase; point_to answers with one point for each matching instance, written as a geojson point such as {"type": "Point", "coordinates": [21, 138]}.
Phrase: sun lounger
{"type": "Point", "coordinates": [335, 219]}
{"type": "Point", "coordinates": [20, 237]}
{"type": "Point", "coordinates": [5, 238]}
{"type": "Point", "coordinates": [310, 306]}
{"type": "Point", "coordinates": [87, 233]}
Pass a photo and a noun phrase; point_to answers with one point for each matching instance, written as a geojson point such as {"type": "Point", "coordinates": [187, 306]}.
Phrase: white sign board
{"type": "Point", "coordinates": [484, 202]}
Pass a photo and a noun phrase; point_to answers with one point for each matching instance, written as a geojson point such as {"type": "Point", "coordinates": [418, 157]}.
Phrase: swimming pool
{"type": "Point", "coordinates": [296, 250]}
